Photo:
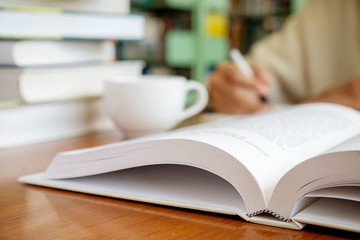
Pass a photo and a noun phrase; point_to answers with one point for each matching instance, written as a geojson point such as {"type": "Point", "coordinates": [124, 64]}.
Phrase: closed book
{"type": "Point", "coordinates": [95, 6]}
{"type": "Point", "coordinates": [61, 83]}
{"type": "Point", "coordinates": [27, 124]}
{"type": "Point", "coordinates": [70, 25]}
{"type": "Point", "coordinates": [27, 53]}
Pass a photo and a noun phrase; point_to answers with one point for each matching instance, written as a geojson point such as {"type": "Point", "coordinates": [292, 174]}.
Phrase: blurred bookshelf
{"type": "Point", "coordinates": [190, 37]}
{"type": "Point", "coordinates": [183, 37]}
{"type": "Point", "coordinates": [252, 20]}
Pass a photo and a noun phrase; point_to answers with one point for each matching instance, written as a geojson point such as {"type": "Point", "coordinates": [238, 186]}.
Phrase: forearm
{"type": "Point", "coordinates": [347, 94]}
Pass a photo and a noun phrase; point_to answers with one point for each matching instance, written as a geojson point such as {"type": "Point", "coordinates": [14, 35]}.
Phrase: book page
{"type": "Point", "coordinates": [271, 144]}
{"type": "Point", "coordinates": [166, 184]}
{"type": "Point", "coordinates": [252, 153]}
{"type": "Point", "coordinates": [347, 193]}
{"type": "Point", "coordinates": [334, 213]}
{"type": "Point", "coordinates": [329, 171]}
{"type": "Point", "coordinates": [111, 158]}
{"type": "Point", "coordinates": [352, 144]}
{"type": "Point", "coordinates": [343, 192]}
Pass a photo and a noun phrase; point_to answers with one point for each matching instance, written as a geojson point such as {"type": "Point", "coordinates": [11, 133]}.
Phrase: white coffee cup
{"type": "Point", "coordinates": [141, 105]}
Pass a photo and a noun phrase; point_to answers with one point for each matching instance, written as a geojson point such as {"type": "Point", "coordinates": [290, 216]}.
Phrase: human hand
{"type": "Point", "coordinates": [233, 92]}
{"type": "Point", "coordinates": [347, 94]}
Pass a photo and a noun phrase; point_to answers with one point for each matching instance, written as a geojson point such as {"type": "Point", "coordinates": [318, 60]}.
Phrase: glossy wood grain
{"type": "Point", "coordinates": [29, 212]}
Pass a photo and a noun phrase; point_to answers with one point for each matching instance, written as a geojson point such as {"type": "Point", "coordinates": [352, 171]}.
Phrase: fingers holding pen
{"type": "Point", "coordinates": [232, 92]}
{"type": "Point", "coordinates": [228, 71]}
{"type": "Point", "coordinates": [262, 80]}
{"type": "Point", "coordinates": [235, 100]}
{"type": "Point", "coordinates": [258, 82]}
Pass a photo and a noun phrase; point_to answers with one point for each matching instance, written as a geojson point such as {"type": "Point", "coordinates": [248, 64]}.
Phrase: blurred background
{"type": "Point", "coordinates": [55, 54]}
{"type": "Point", "coordinates": [190, 37]}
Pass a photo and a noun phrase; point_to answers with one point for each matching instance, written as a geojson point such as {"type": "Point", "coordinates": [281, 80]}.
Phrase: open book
{"type": "Point", "coordinates": [285, 168]}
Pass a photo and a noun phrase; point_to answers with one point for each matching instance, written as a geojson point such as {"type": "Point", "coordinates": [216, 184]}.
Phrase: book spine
{"type": "Point", "coordinates": [32, 9]}
{"type": "Point", "coordinates": [268, 211]}
{"type": "Point", "coordinates": [69, 25]}
{"type": "Point", "coordinates": [91, 6]}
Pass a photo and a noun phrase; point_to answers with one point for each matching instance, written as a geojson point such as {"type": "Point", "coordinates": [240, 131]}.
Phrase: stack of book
{"type": "Point", "coordinates": [54, 56]}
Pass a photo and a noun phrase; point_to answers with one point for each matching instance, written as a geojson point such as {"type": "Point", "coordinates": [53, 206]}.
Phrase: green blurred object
{"type": "Point", "coordinates": [180, 4]}
{"type": "Point", "coordinates": [179, 47]}
{"type": "Point", "coordinates": [216, 50]}
{"type": "Point", "coordinates": [198, 46]}
{"type": "Point", "coordinates": [297, 5]}
{"type": "Point", "coordinates": [206, 44]}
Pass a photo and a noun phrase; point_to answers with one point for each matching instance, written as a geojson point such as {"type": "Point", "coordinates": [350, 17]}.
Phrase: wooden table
{"type": "Point", "coordinates": [29, 212]}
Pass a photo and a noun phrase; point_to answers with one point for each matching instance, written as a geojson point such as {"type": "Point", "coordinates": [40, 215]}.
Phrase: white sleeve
{"type": "Point", "coordinates": [284, 55]}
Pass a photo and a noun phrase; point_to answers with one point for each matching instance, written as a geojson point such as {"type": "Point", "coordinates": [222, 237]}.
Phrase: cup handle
{"type": "Point", "coordinates": [201, 100]}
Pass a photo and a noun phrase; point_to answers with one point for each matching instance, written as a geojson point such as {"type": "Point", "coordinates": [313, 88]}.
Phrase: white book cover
{"type": "Point", "coordinates": [70, 25]}
{"type": "Point", "coordinates": [95, 6]}
{"type": "Point", "coordinates": [27, 53]}
{"type": "Point", "coordinates": [35, 85]}
{"type": "Point", "coordinates": [28, 124]}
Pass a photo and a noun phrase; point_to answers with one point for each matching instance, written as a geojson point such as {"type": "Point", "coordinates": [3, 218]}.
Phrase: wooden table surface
{"type": "Point", "coordinates": [29, 212]}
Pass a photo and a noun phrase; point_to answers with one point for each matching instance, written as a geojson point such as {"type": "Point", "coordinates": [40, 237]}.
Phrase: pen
{"type": "Point", "coordinates": [242, 64]}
